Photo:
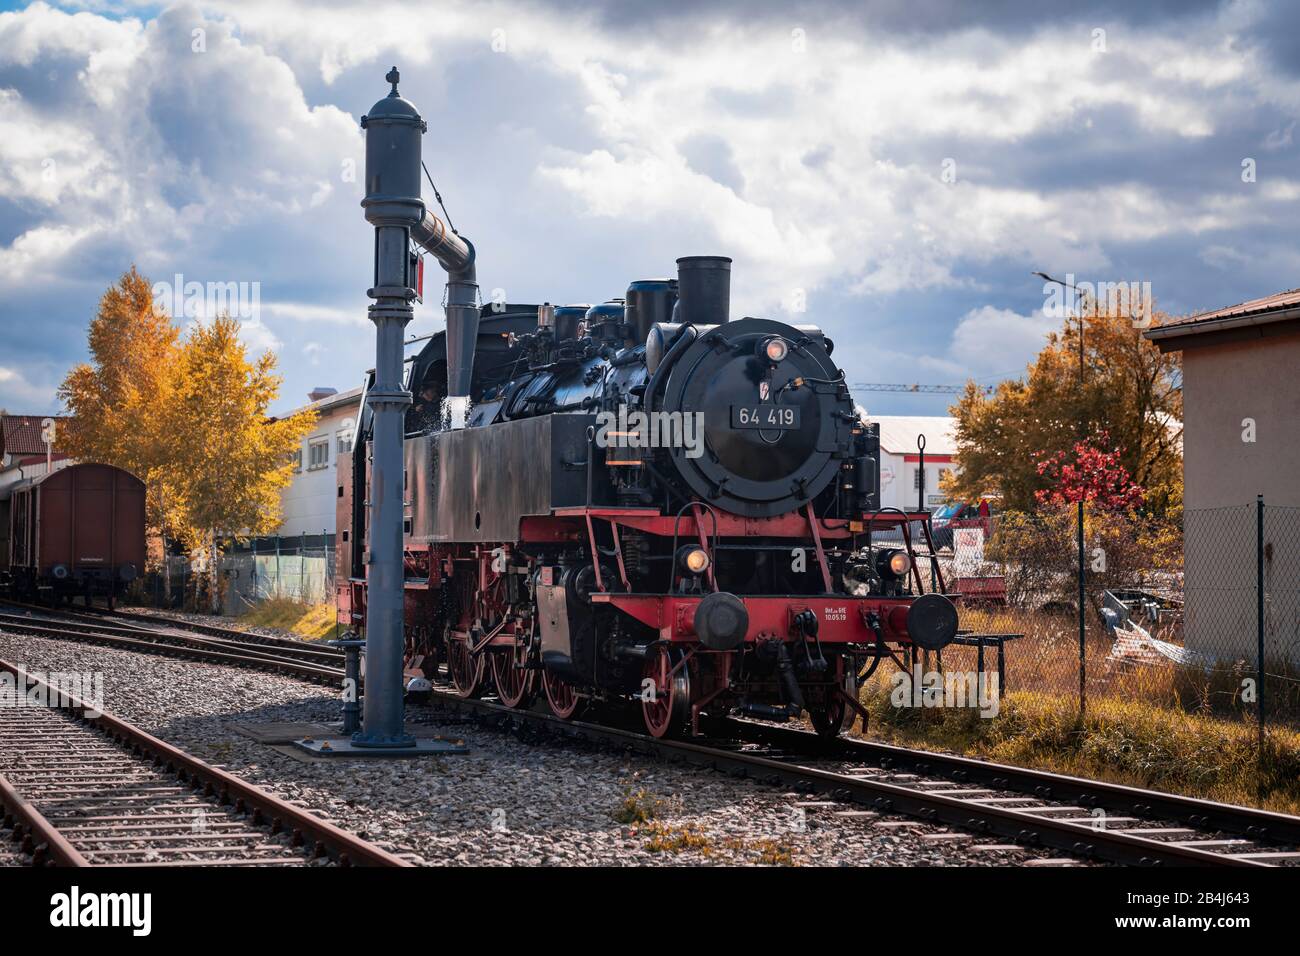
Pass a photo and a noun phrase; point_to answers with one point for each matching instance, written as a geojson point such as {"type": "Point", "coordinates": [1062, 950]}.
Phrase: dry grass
{"type": "Point", "coordinates": [670, 839]}
{"type": "Point", "coordinates": [312, 621]}
{"type": "Point", "coordinates": [1044, 661]}
{"type": "Point", "coordinates": [638, 806]}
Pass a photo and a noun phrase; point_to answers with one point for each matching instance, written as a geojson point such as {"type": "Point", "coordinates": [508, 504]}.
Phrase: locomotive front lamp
{"type": "Point", "coordinates": [893, 563]}
{"type": "Point", "coordinates": [776, 350]}
{"type": "Point", "coordinates": [694, 560]}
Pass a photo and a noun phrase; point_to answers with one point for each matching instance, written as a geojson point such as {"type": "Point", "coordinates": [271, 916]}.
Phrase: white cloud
{"type": "Point", "coordinates": [989, 342]}
{"type": "Point", "coordinates": [312, 312]}
{"type": "Point", "coordinates": [153, 143]}
{"type": "Point", "coordinates": [19, 395]}
{"type": "Point", "coordinates": [227, 161]}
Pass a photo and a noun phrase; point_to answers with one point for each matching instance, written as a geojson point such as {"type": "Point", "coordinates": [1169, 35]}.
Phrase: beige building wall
{"type": "Point", "coordinates": [1223, 385]}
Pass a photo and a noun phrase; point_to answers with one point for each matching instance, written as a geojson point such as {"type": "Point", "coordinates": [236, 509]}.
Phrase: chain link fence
{"type": "Point", "coordinates": [1198, 622]}
{"type": "Point", "coordinates": [299, 568]}
{"type": "Point", "coordinates": [1204, 618]}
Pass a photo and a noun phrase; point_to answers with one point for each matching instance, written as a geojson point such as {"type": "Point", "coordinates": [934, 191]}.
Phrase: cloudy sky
{"type": "Point", "coordinates": [895, 174]}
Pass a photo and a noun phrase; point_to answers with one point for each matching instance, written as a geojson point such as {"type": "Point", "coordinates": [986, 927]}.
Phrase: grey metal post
{"type": "Point", "coordinates": [920, 473]}
{"type": "Point", "coordinates": [393, 206]}
{"type": "Point", "coordinates": [1259, 619]}
{"type": "Point", "coordinates": [1083, 646]}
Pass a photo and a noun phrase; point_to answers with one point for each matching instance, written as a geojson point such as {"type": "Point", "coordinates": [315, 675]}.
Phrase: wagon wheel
{"type": "Point", "coordinates": [516, 686]}
{"type": "Point", "coordinates": [665, 693]}
{"type": "Point", "coordinates": [467, 670]}
{"type": "Point", "coordinates": [835, 716]}
{"type": "Point", "coordinates": [562, 696]}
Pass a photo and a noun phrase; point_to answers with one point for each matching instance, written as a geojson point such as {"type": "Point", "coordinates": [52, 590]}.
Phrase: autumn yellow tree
{"type": "Point", "coordinates": [228, 459]}
{"type": "Point", "coordinates": [116, 402]}
{"type": "Point", "coordinates": [1127, 390]}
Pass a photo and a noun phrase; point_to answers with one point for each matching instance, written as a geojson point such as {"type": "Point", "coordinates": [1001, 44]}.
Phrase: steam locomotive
{"type": "Point", "coordinates": [637, 500]}
{"type": "Point", "coordinates": [647, 501]}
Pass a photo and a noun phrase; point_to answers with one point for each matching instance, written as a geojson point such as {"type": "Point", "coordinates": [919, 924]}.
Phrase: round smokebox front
{"type": "Point", "coordinates": [759, 427]}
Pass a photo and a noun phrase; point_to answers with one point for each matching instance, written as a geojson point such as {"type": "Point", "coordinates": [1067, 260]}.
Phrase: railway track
{"type": "Point", "coordinates": [155, 623]}
{"type": "Point", "coordinates": [83, 788]}
{"type": "Point", "coordinates": [1082, 818]}
{"type": "Point", "coordinates": [322, 665]}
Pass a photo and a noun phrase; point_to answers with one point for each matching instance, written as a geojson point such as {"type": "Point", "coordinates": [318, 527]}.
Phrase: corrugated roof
{"type": "Point", "coordinates": [350, 397]}
{"type": "Point", "coordinates": [898, 433]}
{"type": "Point", "coordinates": [1270, 303]}
{"type": "Point", "coordinates": [21, 434]}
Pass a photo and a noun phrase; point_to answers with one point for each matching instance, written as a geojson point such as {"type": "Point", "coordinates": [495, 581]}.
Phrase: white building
{"type": "Point", "coordinates": [23, 452]}
{"type": "Point", "coordinates": [900, 459]}
{"type": "Point", "coordinates": [310, 499]}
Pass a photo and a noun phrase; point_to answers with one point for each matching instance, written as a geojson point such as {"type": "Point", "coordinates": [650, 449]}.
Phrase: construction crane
{"type": "Point", "coordinates": [919, 389]}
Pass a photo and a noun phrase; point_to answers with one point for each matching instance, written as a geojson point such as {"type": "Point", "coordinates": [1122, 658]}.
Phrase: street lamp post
{"type": "Point", "coordinates": [1078, 298]}
{"type": "Point", "coordinates": [1083, 653]}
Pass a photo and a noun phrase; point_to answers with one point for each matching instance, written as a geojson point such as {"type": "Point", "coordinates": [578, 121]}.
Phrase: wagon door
{"type": "Point", "coordinates": [92, 509]}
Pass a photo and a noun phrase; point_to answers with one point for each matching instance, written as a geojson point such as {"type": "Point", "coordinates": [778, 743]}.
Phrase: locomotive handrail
{"type": "Point", "coordinates": [713, 515]}
{"type": "Point", "coordinates": [871, 554]}
{"type": "Point", "coordinates": [682, 342]}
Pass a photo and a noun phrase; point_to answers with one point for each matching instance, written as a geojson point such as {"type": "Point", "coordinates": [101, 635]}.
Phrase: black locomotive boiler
{"type": "Point", "coordinates": [646, 501]}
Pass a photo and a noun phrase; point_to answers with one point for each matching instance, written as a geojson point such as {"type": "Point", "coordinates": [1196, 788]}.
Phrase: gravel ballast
{"type": "Point", "coordinates": [507, 802]}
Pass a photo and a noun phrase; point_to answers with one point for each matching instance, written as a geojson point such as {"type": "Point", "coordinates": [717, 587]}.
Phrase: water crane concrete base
{"type": "Point", "coordinates": [344, 747]}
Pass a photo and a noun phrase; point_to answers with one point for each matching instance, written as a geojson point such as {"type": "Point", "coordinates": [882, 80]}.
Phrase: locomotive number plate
{"type": "Point", "coordinates": [764, 416]}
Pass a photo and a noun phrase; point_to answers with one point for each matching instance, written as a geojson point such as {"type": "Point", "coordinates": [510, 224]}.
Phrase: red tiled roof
{"type": "Point", "coordinates": [21, 434]}
{"type": "Point", "coordinates": [1269, 303]}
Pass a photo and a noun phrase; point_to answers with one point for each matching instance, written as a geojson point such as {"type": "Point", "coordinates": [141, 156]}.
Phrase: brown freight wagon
{"type": "Point", "coordinates": [79, 530]}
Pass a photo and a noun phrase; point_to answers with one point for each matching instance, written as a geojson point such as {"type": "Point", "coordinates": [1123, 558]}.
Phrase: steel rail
{"type": "Point", "coordinates": [325, 656]}
{"type": "Point", "coordinates": [1024, 827]}
{"type": "Point", "coordinates": [156, 622]}
{"type": "Point", "coordinates": [265, 809]}
{"type": "Point", "coordinates": [152, 644]}
{"type": "Point", "coordinates": [37, 837]}
{"type": "Point", "coordinates": [1204, 814]}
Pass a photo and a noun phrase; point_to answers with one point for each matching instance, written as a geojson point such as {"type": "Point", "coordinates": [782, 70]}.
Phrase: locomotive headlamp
{"type": "Point", "coordinates": [776, 349]}
{"type": "Point", "coordinates": [693, 560]}
{"type": "Point", "coordinates": [893, 563]}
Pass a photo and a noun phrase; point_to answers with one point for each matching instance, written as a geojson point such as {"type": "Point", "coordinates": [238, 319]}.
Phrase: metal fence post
{"type": "Point", "coordinates": [1259, 619]}
{"type": "Point", "coordinates": [1083, 656]}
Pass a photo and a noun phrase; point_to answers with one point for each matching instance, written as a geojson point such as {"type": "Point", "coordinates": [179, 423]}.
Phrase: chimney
{"type": "Point", "coordinates": [321, 391]}
{"type": "Point", "coordinates": [704, 289]}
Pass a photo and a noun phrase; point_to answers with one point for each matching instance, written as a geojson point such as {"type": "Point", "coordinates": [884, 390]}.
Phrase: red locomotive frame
{"type": "Point", "coordinates": [856, 627]}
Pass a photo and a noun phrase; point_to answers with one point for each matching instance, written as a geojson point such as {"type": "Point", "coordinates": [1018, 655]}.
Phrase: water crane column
{"type": "Point", "coordinates": [394, 207]}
